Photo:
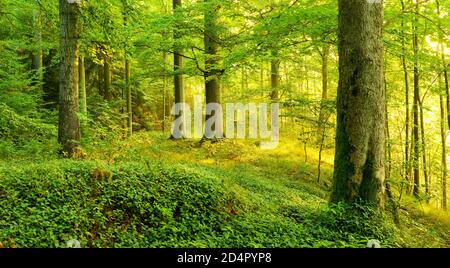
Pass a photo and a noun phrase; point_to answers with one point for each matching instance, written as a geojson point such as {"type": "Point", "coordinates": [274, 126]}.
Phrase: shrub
{"type": "Point", "coordinates": [19, 129]}
{"type": "Point", "coordinates": [135, 205]}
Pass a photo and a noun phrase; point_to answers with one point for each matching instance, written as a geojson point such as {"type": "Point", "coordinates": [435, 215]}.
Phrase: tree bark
{"type": "Point", "coordinates": [69, 124]}
{"type": "Point", "coordinates": [424, 156]}
{"type": "Point", "coordinates": [416, 150]}
{"type": "Point", "coordinates": [323, 115]}
{"type": "Point", "coordinates": [444, 154]}
{"type": "Point", "coordinates": [82, 85]}
{"type": "Point", "coordinates": [212, 69]}
{"type": "Point", "coordinates": [38, 54]}
{"type": "Point", "coordinates": [275, 77]}
{"type": "Point", "coordinates": [360, 135]}
{"type": "Point", "coordinates": [407, 165]}
{"type": "Point", "coordinates": [100, 77]}
{"type": "Point", "coordinates": [128, 90]}
{"type": "Point", "coordinates": [129, 97]}
{"type": "Point", "coordinates": [443, 119]}
{"type": "Point", "coordinates": [178, 64]}
{"type": "Point", "coordinates": [107, 78]}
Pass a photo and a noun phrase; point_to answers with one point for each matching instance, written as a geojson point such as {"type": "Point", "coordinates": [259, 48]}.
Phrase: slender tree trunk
{"type": "Point", "coordinates": [444, 145]}
{"type": "Point", "coordinates": [389, 193]}
{"type": "Point", "coordinates": [164, 97]}
{"type": "Point", "coordinates": [388, 140]}
{"type": "Point", "coordinates": [212, 68]}
{"type": "Point", "coordinates": [416, 150]}
{"type": "Point", "coordinates": [82, 85]}
{"type": "Point", "coordinates": [128, 90]}
{"type": "Point", "coordinates": [100, 74]}
{"type": "Point", "coordinates": [275, 76]}
{"type": "Point", "coordinates": [261, 78]}
{"type": "Point", "coordinates": [424, 156]}
{"type": "Point", "coordinates": [323, 115]}
{"type": "Point", "coordinates": [447, 93]}
{"type": "Point", "coordinates": [407, 164]}
{"type": "Point", "coordinates": [443, 119]}
{"type": "Point", "coordinates": [360, 135]}
{"type": "Point", "coordinates": [69, 124]}
{"type": "Point", "coordinates": [129, 97]}
{"type": "Point", "coordinates": [38, 55]}
{"type": "Point", "coordinates": [178, 65]}
{"type": "Point", "coordinates": [107, 78]}
{"type": "Point", "coordinates": [444, 154]}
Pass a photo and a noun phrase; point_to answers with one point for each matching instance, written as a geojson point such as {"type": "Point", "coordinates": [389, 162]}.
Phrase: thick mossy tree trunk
{"type": "Point", "coordinates": [359, 173]}
{"type": "Point", "coordinates": [212, 71]}
{"type": "Point", "coordinates": [69, 124]}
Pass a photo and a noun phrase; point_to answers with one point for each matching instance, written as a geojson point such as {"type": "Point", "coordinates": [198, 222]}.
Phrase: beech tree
{"type": "Point", "coordinates": [360, 139]}
{"type": "Point", "coordinates": [69, 123]}
{"type": "Point", "coordinates": [212, 70]}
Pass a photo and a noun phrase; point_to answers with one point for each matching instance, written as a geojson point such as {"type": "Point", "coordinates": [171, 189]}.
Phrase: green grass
{"type": "Point", "coordinates": [151, 192]}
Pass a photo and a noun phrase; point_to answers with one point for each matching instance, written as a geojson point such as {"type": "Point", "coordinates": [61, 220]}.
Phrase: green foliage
{"type": "Point", "coordinates": [134, 205]}
{"type": "Point", "coordinates": [155, 205]}
{"type": "Point", "coordinates": [19, 129]}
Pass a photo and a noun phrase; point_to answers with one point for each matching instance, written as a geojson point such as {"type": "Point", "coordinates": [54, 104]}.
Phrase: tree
{"type": "Point", "coordinates": [178, 64]}
{"type": "Point", "coordinates": [440, 50]}
{"type": "Point", "coordinates": [416, 150]}
{"type": "Point", "coordinates": [128, 91]}
{"type": "Point", "coordinates": [407, 114]}
{"type": "Point", "coordinates": [38, 53]}
{"type": "Point", "coordinates": [82, 84]}
{"type": "Point", "coordinates": [69, 124]}
{"type": "Point", "coordinates": [275, 76]}
{"type": "Point", "coordinates": [360, 135]}
{"type": "Point", "coordinates": [212, 70]}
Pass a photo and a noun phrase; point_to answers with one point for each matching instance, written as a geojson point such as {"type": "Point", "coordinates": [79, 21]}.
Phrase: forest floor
{"type": "Point", "coordinates": [148, 191]}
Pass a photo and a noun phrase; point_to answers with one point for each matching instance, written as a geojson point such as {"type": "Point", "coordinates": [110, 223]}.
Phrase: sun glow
{"type": "Point", "coordinates": [435, 45]}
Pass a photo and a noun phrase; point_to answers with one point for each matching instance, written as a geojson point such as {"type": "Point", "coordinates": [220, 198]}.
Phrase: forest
{"type": "Point", "coordinates": [224, 123]}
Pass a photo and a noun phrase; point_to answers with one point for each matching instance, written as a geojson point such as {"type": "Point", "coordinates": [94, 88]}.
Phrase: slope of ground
{"type": "Point", "coordinates": [152, 192]}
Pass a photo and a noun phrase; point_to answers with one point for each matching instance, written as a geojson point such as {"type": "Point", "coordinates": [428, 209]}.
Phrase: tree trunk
{"type": "Point", "coordinates": [443, 119]}
{"type": "Point", "coordinates": [82, 85]}
{"type": "Point", "coordinates": [107, 79]}
{"type": "Point", "coordinates": [416, 150]}
{"type": "Point", "coordinates": [444, 154]}
{"type": "Point", "coordinates": [69, 124]}
{"type": "Point", "coordinates": [178, 66]}
{"type": "Point", "coordinates": [275, 77]}
{"type": "Point", "coordinates": [129, 98]}
{"type": "Point", "coordinates": [100, 74]}
{"type": "Point", "coordinates": [323, 115]}
{"type": "Point", "coordinates": [360, 135]}
{"type": "Point", "coordinates": [261, 76]}
{"type": "Point", "coordinates": [38, 55]}
{"type": "Point", "coordinates": [407, 164]}
{"type": "Point", "coordinates": [424, 156]}
{"type": "Point", "coordinates": [447, 93]}
{"type": "Point", "coordinates": [128, 91]}
{"type": "Point", "coordinates": [212, 68]}
{"type": "Point", "coordinates": [164, 97]}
